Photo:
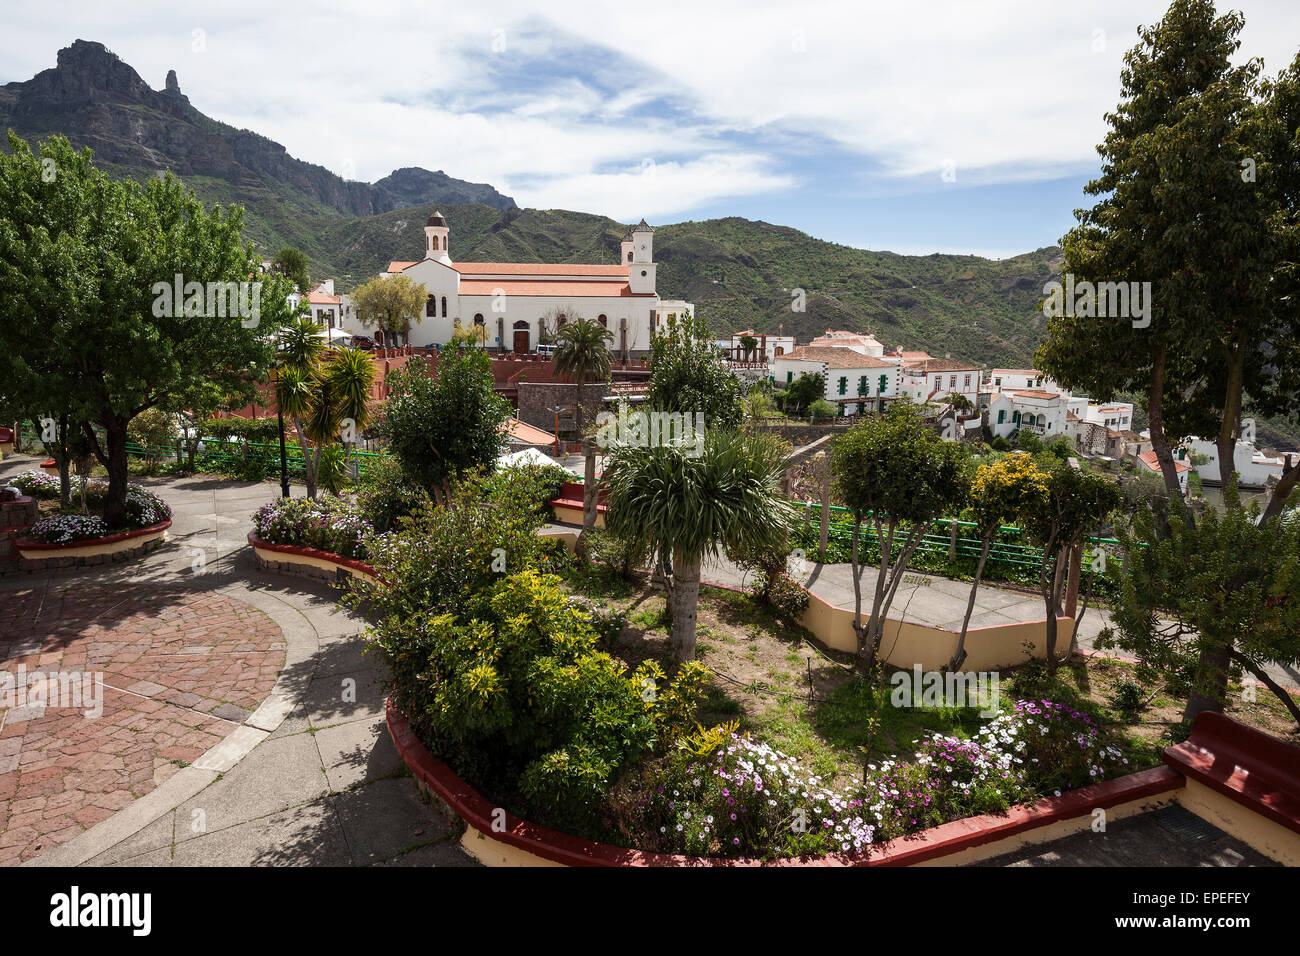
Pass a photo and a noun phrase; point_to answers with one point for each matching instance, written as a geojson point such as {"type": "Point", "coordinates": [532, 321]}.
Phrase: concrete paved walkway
{"type": "Point", "coordinates": [309, 775]}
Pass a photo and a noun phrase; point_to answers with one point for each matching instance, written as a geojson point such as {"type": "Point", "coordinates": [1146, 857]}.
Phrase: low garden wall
{"type": "Point", "coordinates": [307, 562]}
{"type": "Point", "coordinates": [44, 556]}
{"type": "Point", "coordinates": [906, 644]}
{"type": "Point", "coordinates": [495, 837]}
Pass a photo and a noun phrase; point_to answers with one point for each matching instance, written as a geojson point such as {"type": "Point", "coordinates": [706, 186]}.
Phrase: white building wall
{"type": "Point", "coordinates": [1253, 468]}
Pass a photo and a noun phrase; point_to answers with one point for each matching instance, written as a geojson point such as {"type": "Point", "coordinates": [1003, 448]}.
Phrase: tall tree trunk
{"type": "Point", "coordinates": [1159, 443]}
{"type": "Point", "coordinates": [115, 447]}
{"type": "Point", "coordinates": [1047, 589]}
{"type": "Point", "coordinates": [1210, 688]}
{"type": "Point", "coordinates": [309, 472]}
{"type": "Point", "coordinates": [959, 655]}
{"type": "Point", "coordinates": [1230, 426]}
{"type": "Point", "coordinates": [686, 598]}
{"type": "Point", "coordinates": [1282, 490]}
{"type": "Point", "coordinates": [590, 494]}
{"type": "Point", "coordinates": [858, 629]}
{"type": "Point", "coordinates": [65, 481]}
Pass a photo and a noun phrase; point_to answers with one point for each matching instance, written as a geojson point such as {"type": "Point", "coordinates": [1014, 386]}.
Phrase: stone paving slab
{"type": "Point", "coordinates": [177, 670]}
{"type": "Point", "coordinates": [281, 794]}
{"type": "Point", "coordinates": [1171, 836]}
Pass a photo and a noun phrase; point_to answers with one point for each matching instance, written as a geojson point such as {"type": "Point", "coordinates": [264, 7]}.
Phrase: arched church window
{"type": "Point", "coordinates": [444, 306]}
{"type": "Point", "coordinates": [431, 308]}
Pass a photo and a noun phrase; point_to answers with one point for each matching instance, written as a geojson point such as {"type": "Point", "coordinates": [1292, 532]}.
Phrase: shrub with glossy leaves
{"type": "Point", "coordinates": [514, 693]}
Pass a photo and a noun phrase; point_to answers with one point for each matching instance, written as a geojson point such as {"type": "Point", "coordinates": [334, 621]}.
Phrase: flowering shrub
{"type": "Point", "coordinates": [144, 508]}
{"type": "Point", "coordinates": [744, 798]}
{"type": "Point", "coordinates": [38, 484]}
{"type": "Point", "coordinates": [65, 528]}
{"type": "Point", "coordinates": [326, 524]}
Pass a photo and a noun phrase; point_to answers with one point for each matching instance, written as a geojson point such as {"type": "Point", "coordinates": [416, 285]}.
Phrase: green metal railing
{"type": "Point", "coordinates": [219, 454]}
{"type": "Point", "coordinates": [939, 538]}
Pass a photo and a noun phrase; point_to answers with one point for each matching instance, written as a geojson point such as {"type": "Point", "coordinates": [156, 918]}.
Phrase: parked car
{"type": "Point", "coordinates": [363, 342]}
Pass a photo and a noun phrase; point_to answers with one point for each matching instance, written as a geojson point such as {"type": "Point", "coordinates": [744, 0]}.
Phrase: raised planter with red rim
{"type": "Point", "coordinates": [496, 837]}
{"type": "Point", "coordinates": [43, 555]}
{"type": "Point", "coordinates": [307, 562]}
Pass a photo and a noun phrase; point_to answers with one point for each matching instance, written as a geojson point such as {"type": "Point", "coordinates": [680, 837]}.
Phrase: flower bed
{"type": "Point", "coordinates": [307, 562]}
{"type": "Point", "coordinates": [497, 839]}
{"type": "Point", "coordinates": [328, 524]}
{"type": "Point", "coordinates": [144, 511]}
{"type": "Point", "coordinates": [744, 798]}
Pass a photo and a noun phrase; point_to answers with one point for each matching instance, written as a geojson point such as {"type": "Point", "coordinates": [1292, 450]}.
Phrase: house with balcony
{"type": "Point", "coordinates": [766, 347]}
{"type": "Point", "coordinates": [931, 379]}
{"type": "Point", "coordinates": [1042, 412]}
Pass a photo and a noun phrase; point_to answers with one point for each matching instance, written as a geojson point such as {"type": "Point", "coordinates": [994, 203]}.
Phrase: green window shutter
{"type": "Point", "coordinates": [1002, 415]}
{"type": "Point", "coordinates": [884, 380]}
{"type": "Point", "coordinates": [789, 377]}
{"type": "Point", "coordinates": [844, 384]}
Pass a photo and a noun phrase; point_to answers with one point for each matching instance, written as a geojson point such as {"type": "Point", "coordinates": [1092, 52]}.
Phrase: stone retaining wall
{"type": "Point", "coordinates": [267, 561]}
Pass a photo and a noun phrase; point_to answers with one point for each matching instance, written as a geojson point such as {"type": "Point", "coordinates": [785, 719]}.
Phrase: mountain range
{"type": "Point", "coordinates": [740, 273]}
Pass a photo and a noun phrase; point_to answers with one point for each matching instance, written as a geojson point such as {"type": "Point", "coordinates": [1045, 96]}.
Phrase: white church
{"type": "Point", "coordinates": [520, 303]}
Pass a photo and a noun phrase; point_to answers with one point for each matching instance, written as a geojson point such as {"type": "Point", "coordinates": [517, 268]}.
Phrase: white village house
{"type": "Point", "coordinates": [929, 379]}
{"type": "Point", "coordinates": [520, 303]}
{"type": "Point", "coordinates": [1254, 467]}
{"type": "Point", "coordinates": [853, 382]}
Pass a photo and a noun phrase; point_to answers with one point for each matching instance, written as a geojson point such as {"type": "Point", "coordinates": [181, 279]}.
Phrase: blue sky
{"type": "Point", "coordinates": [930, 126]}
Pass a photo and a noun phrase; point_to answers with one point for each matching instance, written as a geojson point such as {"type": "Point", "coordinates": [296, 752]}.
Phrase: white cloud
{"type": "Point", "coordinates": [549, 103]}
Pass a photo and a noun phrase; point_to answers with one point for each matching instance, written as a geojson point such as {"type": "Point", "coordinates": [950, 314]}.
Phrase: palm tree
{"type": "Point", "coordinates": [689, 506]}
{"type": "Point", "coordinates": [319, 390]}
{"type": "Point", "coordinates": [583, 356]}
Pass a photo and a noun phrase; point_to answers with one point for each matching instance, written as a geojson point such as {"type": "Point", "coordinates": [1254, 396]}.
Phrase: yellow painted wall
{"type": "Point", "coordinates": [284, 557]}
{"type": "Point", "coordinates": [91, 550]}
{"type": "Point", "coordinates": [906, 644]}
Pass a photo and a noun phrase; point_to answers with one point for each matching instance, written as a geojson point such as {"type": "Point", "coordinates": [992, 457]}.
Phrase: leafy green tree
{"type": "Point", "coordinates": [83, 262]}
{"type": "Point", "coordinates": [800, 394]}
{"type": "Point", "coordinates": [292, 264]}
{"type": "Point", "coordinates": [1197, 198]}
{"type": "Point", "coordinates": [392, 304]}
{"type": "Point", "coordinates": [441, 427]}
{"type": "Point", "coordinates": [688, 375]}
{"type": "Point", "coordinates": [155, 430]}
{"type": "Point", "coordinates": [748, 346]}
{"type": "Point", "coordinates": [960, 402]}
{"type": "Point", "coordinates": [197, 404]}
{"type": "Point", "coordinates": [1076, 502]}
{"type": "Point", "coordinates": [582, 355]}
{"type": "Point", "coordinates": [821, 409]}
{"type": "Point", "coordinates": [897, 473]}
{"type": "Point", "coordinates": [325, 393]}
{"type": "Point", "coordinates": [1210, 598]}
{"type": "Point", "coordinates": [757, 404]}
{"type": "Point", "coordinates": [687, 507]}
{"type": "Point", "coordinates": [1000, 493]}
